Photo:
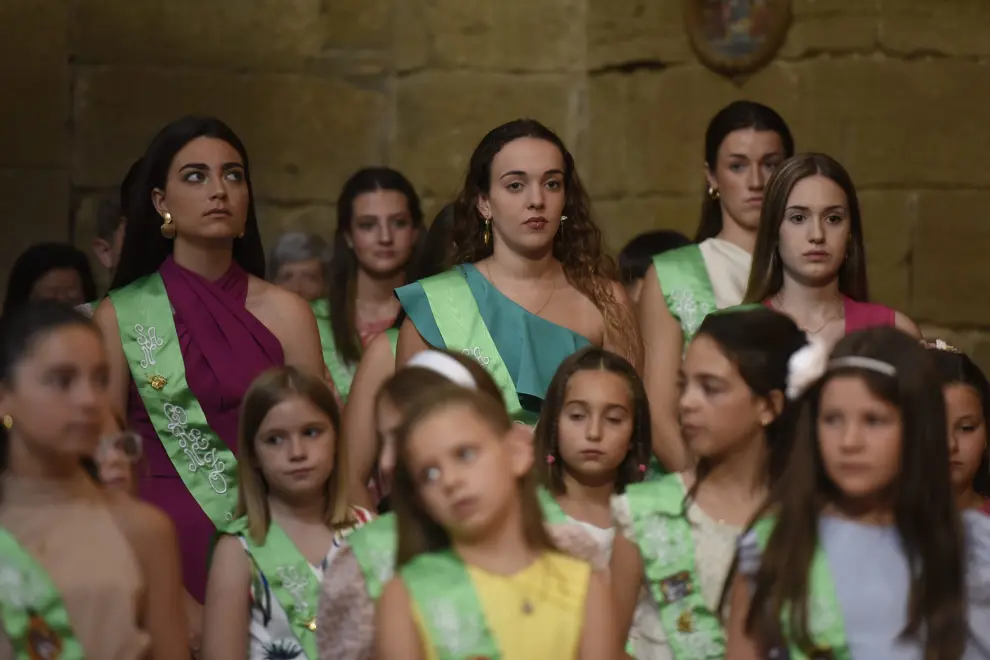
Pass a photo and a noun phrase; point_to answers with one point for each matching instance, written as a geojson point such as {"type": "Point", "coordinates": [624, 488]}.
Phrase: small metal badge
{"type": "Point", "coordinates": [676, 587]}
{"type": "Point", "coordinates": [311, 624]}
{"type": "Point", "coordinates": [685, 622]}
{"type": "Point", "coordinates": [158, 382]}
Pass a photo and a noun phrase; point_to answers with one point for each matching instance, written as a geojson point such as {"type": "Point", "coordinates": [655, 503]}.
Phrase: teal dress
{"type": "Point", "coordinates": [530, 346]}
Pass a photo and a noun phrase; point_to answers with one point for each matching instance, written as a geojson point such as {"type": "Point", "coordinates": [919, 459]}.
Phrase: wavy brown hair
{"type": "Point", "coordinates": [419, 533]}
{"type": "Point", "coordinates": [578, 246]}
{"type": "Point", "coordinates": [924, 506]}
{"type": "Point", "coordinates": [546, 436]}
{"type": "Point", "coordinates": [267, 391]}
{"type": "Point", "coordinates": [766, 276]}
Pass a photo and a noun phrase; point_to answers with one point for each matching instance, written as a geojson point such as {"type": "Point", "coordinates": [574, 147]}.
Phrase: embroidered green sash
{"type": "Point", "coordinates": [147, 332]}
{"type": "Point", "coordinates": [393, 339]}
{"type": "Point", "coordinates": [463, 328]}
{"type": "Point", "coordinates": [825, 624]}
{"type": "Point", "coordinates": [452, 614]}
{"type": "Point", "coordinates": [666, 544]}
{"type": "Point", "coordinates": [289, 577]}
{"type": "Point", "coordinates": [341, 372]}
{"type": "Point", "coordinates": [687, 289]}
{"type": "Point", "coordinates": [376, 543]}
{"type": "Point", "coordinates": [31, 608]}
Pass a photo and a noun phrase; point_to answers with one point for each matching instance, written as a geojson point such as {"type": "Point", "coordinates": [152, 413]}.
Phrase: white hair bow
{"type": "Point", "coordinates": [806, 366]}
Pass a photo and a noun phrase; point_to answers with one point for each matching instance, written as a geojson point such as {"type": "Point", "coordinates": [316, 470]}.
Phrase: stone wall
{"type": "Point", "coordinates": [897, 90]}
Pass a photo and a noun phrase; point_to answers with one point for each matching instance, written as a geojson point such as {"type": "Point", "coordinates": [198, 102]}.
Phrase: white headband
{"type": "Point", "coordinates": [446, 366]}
{"type": "Point", "coordinates": [809, 364]}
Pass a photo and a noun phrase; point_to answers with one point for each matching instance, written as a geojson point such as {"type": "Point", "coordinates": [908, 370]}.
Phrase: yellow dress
{"type": "Point", "coordinates": [555, 587]}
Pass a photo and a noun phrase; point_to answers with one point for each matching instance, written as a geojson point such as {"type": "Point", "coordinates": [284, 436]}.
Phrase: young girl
{"type": "Point", "coordinates": [264, 581]}
{"type": "Point", "coordinates": [84, 571]}
{"type": "Point", "coordinates": [478, 573]}
{"type": "Point", "coordinates": [861, 553]}
{"type": "Point", "coordinates": [116, 458]}
{"type": "Point", "coordinates": [593, 438]}
{"type": "Point", "coordinates": [678, 534]}
{"type": "Point", "coordinates": [810, 260]}
{"type": "Point", "coordinates": [967, 405]}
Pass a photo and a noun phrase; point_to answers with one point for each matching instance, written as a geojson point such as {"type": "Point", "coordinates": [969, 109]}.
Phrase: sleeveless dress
{"type": "Point", "coordinates": [530, 346]}
{"type": "Point", "coordinates": [224, 348]}
{"type": "Point", "coordinates": [270, 634]}
{"type": "Point", "coordinates": [557, 586]}
{"type": "Point", "coordinates": [872, 581]}
{"type": "Point", "coordinates": [861, 315]}
{"type": "Point", "coordinates": [70, 531]}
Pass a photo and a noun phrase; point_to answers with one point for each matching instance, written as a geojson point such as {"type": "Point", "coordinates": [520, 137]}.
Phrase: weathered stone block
{"type": "Point", "coordinates": [840, 33]}
{"type": "Point", "coordinates": [34, 34]}
{"type": "Point", "coordinates": [305, 135]}
{"type": "Point", "coordinates": [622, 32]}
{"type": "Point", "coordinates": [889, 221]}
{"type": "Point", "coordinates": [538, 35]}
{"type": "Point", "coordinates": [960, 27]}
{"type": "Point", "coordinates": [441, 117]}
{"type": "Point", "coordinates": [876, 116]}
{"type": "Point", "coordinates": [34, 114]}
{"type": "Point", "coordinates": [950, 246]}
{"type": "Point", "coordinates": [263, 35]}
{"type": "Point", "coordinates": [277, 219]}
{"type": "Point", "coordinates": [648, 128]}
{"type": "Point", "coordinates": [34, 206]}
{"type": "Point", "coordinates": [622, 220]}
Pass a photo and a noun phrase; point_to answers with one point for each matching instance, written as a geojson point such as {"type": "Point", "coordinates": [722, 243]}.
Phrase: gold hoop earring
{"type": "Point", "coordinates": [168, 227]}
{"type": "Point", "coordinates": [488, 231]}
{"type": "Point", "coordinates": [8, 422]}
{"type": "Point", "coordinates": [713, 194]}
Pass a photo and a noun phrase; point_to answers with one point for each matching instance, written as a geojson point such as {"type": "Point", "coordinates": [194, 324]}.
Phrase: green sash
{"type": "Point", "coordinates": [147, 331]}
{"type": "Point", "coordinates": [290, 578]}
{"type": "Point", "coordinates": [341, 372]}
{"type": "Point", "coordinates": [463, 328]}
{"type": "Point", "coordinates": [452, 614]}
{"type": "Point", "coordinates": [825, 624]}
{"type": "Point", "coordinates": [31, 608]}
{"type": "Point", "coordinates": [666, 544]}
{"type": "Point", "coordinates": [393, 339]}
{"type": "Point", "coordinates": [376, 543]}
{"type": "Point", "coordinates": [687, 289]}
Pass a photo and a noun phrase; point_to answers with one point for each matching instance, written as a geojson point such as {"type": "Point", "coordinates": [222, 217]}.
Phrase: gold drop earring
{"type": "Point", "coordinates": [488, 231]}
{"type": "Point", "coordinates": [713, 193]}
{"type": "Point", "coordinates": [8, 422]}
{"type": "Point", "coordinates": [168, 227]}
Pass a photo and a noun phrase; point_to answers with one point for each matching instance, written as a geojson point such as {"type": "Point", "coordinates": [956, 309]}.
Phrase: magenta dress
{"type": "Point", "coordinates": [861, 315]}
{"type": "Point", "coordinates": [224, 348]}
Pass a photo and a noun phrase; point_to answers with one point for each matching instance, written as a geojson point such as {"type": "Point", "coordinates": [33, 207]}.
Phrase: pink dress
{"type": "Point", "coordinates": [862, 315]}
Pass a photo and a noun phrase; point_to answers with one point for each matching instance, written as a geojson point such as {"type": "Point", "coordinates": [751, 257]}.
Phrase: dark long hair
{"type": "Point", "coordinates": [577, 246]}
{"type": "Point", "coordinates": [759, 342]}
{"type": "Point", "coordinates": [40, 259]}
{"type": "Point", "coordinates": [958, 369]}
{"type": "Point", "coordinates": [418, 532]}
{"type": "Point", "coordinates": [145, 249]}
{"type": "Point", "coordinates": [20, 330]}
{"type": "Point", "coordinates": [435, 255]}
{"type": "Point", "coordinates": [344, 264]}
{"type": "Point", "coordinates": [546, 436]}
{"type": "Point", "coordinates": [925, 514]}
{"type": "Point", "coordinates": [736, 116]}
{"type": "Point", "coordinates": [766, 276]}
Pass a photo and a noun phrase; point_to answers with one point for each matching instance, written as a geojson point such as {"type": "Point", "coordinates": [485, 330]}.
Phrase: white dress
{"type": "Point", "coordinates": [728, 269]}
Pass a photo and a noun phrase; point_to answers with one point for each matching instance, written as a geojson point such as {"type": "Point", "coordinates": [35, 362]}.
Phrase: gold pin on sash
{"type": "Point", "coordinates": [685, 622]}
{"type": "Point", "coordinates": [311, 624]}
{"type": "Point", "coordinates": [157, 381]}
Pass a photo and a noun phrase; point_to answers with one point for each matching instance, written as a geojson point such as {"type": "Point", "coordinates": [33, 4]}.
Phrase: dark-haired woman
{"type": "Point", "coordinates": [810, 257]}
{"type": "Point", "coordinates": [85, 571]}
{"type": "Point", "coordinates": [379, 232]}
{"type": "Point", "coordinates": [190, 322]}
{"type": "Point", "coordinates": [50, 271]}
{"type": "Point", "coordinates": [744, 143]}
{"type": "Point", "coordinates": [967, 409]}
{"type": "Point", "coordinates": [532, 284]}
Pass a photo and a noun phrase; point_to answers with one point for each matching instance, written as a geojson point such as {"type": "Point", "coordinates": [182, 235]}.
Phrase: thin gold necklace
{"type": "Point", "coordinates": [488, 267]}
{"type": "Point", "coordinates": [780, 307]}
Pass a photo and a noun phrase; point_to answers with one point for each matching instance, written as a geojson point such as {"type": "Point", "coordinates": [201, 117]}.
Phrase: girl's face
{"type": "Point", "coordinates": [387, 419]}
{"type": "Point", "coordinates": [860, 437]}
{"type": "Point", "coordinates": [719, 413]}
{"type": "Point", "coordinates": [815, 231]}
{"type": "Point", "coordinates": [61, 284]}
{"type": "Point", "coordinates": [466, 474]}
{"type": "Point", "coordinates": [382, 233]}
{"type": "Point", "coordinates": [304, 278]}
{"type": "Point", "coordinates": [57, 395]}
{"type": "Point", "coordinates": [746, 159]}
{"type": "Point", "coordinates": [595, 425]}
{"type": "Point", "coordinates": [115, 459]}
{"type": "Point", "coordinates": [295, 447]}
{"type": "Point", "coordinates": [967, 433]}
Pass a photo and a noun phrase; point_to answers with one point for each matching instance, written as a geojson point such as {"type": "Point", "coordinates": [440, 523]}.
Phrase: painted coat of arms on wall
{"type": "Point", "coordinates": [735, 37]}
